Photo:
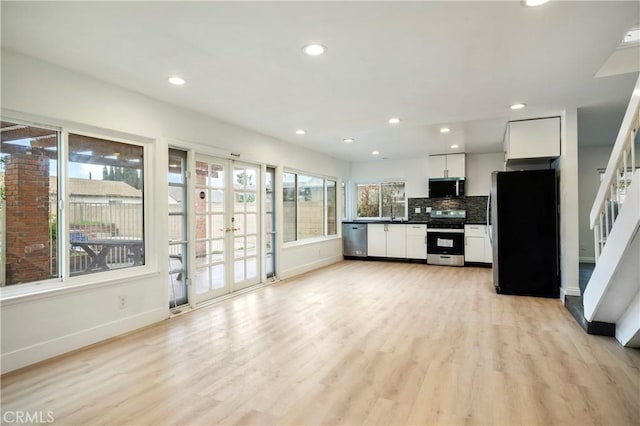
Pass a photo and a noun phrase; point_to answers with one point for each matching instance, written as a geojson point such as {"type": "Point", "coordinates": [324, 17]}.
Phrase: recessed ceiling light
{"type": "Point", "coordinates": [518, 106]}
{"type": "Point", "coordinates": [375, 152]}
{"type": "Point", "coordinates": [394, 120]}
{"type": "Point", "coordinates": [533, 3]}
{"type": "Point", "coordinates": [454, 146]}
{"type": "Point", "coordinates": [348, 140]}
{"type": "Point", "coordinates": [445, 130]}
{"type": "Point", "coordinates": [314, 49]}
{"type": "Point", "coordinates": [300, 132]}
{"type": "Point", "coordinates": [176, 81]}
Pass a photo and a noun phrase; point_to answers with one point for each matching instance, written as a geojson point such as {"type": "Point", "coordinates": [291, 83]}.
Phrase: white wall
{"type": "Point", "coordinates": [415, 172]}
{"type": "Point", "coordinates": [590, 159]}
{"type": "Point", "coordinates": [567, 166]}
{"type": "Point", "coordinates": [479, 168]}
{"type": "Point", "coordinates": [50, 323]}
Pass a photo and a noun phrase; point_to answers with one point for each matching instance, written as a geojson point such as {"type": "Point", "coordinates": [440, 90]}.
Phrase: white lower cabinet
{"type": "Point", "coordinates": [396, 241]}
{"type": "Point", "coordinates": [477, 247]}
{"type": "Point", "coordinates": [417, 242]}
{"type": "Point", "coordinates": [488, 249]}
{"type": "Point", "coordinates": [377, 239]}
{"type": "Point", "coordinates": [386, 240]}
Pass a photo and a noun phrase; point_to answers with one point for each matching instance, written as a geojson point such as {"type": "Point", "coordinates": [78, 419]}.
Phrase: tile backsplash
{"type": "Point", "coordinates": [475, 206]}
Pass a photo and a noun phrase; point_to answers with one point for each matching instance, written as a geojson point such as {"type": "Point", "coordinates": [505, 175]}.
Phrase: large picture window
{"type": "Point", "coordinates": [381, 200]}
{"type": "Point", "coordinates": [103, 209]}
{"type": "Point", "coordinates": [309, 206]}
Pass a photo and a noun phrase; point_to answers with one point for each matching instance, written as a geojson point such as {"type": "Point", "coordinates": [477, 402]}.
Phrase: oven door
{"type": "Point", "coordinates": [445, 241]}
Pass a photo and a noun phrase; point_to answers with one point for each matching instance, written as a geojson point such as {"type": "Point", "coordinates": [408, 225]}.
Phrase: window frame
{"type": "Point", "coordinates": [147, 198]}
{"type": "Point", "coordinates": [64, 282]}
{"type": "Point", "coordinates": [379, 184]}
{"type": "Point", "coordinates": [325, 219]}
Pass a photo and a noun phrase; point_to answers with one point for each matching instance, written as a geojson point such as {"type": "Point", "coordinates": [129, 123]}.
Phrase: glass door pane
{"type": "Point", "coordinates": [245, 225]}
{"type": "Point", "coordinates": [177, 228]}
{"type": "Point", "coordinates": [211, 228]}
{"type": "Point", "coordinates": [270, 234]}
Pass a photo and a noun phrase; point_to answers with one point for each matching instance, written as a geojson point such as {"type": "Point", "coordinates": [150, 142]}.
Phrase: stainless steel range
{"type": "Point", "coordinates": [445, 237]}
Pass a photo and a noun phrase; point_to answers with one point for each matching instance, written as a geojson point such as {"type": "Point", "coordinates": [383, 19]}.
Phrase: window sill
{"type": "Point", "coordinates": [28, 292]}
{"type": "Point", "coordinates": [308, 241]}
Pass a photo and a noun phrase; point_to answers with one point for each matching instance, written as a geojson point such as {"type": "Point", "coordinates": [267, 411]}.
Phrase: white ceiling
{"type": "Point", "coordinates": [459, 64]}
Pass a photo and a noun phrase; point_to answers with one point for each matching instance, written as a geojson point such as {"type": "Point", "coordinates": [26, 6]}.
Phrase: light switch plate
{"type": "Point", "coordinates": [417, 210]}
{"type": "Point", "coordinates": [427, 209]}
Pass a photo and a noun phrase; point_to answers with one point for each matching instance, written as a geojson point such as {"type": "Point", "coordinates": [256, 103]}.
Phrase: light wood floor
{"type": "Point", "coordinates": [354, 343]}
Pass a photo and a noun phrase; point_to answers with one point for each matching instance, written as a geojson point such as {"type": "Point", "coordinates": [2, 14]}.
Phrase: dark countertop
{"type": "Point", "coordinates": [397, 222]}
{"type": "Point", "coordinates": [408, 222]}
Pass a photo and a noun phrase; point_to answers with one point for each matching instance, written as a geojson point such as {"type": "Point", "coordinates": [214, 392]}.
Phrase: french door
{"type": "Point", "coordinates": [227, 227]}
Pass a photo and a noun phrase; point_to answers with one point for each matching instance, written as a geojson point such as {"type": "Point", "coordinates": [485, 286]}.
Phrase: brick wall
{"type": "Point", "coordinates": [27, 219]}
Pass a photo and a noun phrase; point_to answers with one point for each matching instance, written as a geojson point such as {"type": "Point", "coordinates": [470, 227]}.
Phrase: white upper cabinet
{"type": "Point", "coordinates": [447, 165]}
{"type": "Point", "coordinates": [437, 166]}
{"type": "Point", "coordinates": [533, 139]}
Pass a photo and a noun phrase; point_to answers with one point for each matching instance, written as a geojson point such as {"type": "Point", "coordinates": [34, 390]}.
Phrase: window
{"type": "Point", "coordinates": [378, 200]}
{"type": "Point", "coordinates": [105, 206]}
{"type": "Point", "coordinates": [28, 203]}
{"type": "Point", "coordinates": [331, 208]}
{"type": "Point", "coordinates": [344, 200]}
{"type": "Point", "coordinates": [103, 211]}
{"type": "Point", "coordinates": [289, 206]}
{"type": "Point", "coordinates": [309, 206]}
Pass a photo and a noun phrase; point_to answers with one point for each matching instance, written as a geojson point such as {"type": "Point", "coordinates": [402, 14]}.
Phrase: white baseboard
{"type": "Point", "coordinates": [569, 291]}
{"type": "Point", "coordinates": [301, 269]}
{"type": "Point", "coordinates": [587, 259]}
{"type": "Point", "coordinates": [39, 352]}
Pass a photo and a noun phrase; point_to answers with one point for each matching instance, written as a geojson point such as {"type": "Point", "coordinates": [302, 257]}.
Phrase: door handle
{"type": "Point", "coordinates": [229, 229]}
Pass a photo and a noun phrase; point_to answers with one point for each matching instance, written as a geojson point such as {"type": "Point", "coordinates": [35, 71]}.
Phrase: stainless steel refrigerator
{"type": "Point", "coordinates": [524, 233]}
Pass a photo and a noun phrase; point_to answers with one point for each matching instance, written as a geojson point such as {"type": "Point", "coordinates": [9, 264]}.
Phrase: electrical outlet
{"type": "Point", "coordinates": [427, 209]}
{"type": "Point", "coordinates": [417, 210]}
{"type": "Point", "coordinates": [122, 302]}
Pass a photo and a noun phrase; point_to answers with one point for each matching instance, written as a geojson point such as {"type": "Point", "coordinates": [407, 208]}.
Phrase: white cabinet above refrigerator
{"type": "Point", "coordinates": [533, 139]}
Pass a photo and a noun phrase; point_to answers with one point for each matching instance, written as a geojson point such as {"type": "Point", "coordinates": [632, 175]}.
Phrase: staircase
{"type": "Point", "coordinates": [613, 292]}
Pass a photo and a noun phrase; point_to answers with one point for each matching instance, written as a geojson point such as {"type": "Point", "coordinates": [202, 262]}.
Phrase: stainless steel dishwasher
{"type": "Point", "coordinates": [354, 239]}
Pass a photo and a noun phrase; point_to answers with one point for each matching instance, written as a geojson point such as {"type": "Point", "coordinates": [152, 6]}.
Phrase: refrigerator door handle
{"type": "Point", "coordinates": [489, 230]}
